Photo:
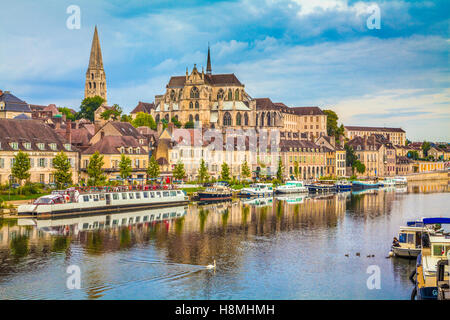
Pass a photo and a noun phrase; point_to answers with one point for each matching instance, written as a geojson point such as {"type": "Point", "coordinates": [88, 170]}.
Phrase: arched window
{"type": "Point", "coordinates": [256, 120]}
{"type": "Point", "coordinates": [227, 119]}
{"type": "Point", "coordinates": [157, 118]}
{"type": "Point", "coordinates": [191, 118]}
{"type": "Point", "coordinates": [238, 119]}
{"type": "Point", "coordinates": [172, 95]}
{"type": "Point", "coordinates": [197, 118]}
{"type": "Point", "coordinates": [94, 85]}
{"type": "Point", "coordinates": [246, 119]}
{"type": "Point", "coordinates": [176, 118]}
{"type": "Point", "coordinates": [230, 95]}
{"type": "Point", "coordinates": [196, 105]}
{"type": "Point", "coordinates": [236, 94]}
{"type": "Point", "coordinates": [191, 105]}
{"type": "Point", "coordinates": [180, 93]}
{"type": "Point", "coordinates": [273, 118]}
{"type": "Point", "coordinates": [92, 76]}
{"type": "Point", "coordinates": [220, 94]}
{"type": "Point", "coordinates": [167, 118]}
{"type": "Point", "coordinates": [268, 119]}
{"type": "Point", "coordinates": [90, 85]}
{"type": "Point", "coordinates": [262, 119]}
{"type": "Point", "coordinates": [195, 94]}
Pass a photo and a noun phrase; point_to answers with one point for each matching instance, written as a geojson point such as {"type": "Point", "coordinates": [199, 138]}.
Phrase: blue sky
{"type": "Point", "coordinates": [298, 52]}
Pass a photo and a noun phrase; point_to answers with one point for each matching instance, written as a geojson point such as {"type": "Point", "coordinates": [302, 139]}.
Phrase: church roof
{"type": "Point", "coordinates": [212, 79]}
{"type": "Point", "coordinates": [96, 60]}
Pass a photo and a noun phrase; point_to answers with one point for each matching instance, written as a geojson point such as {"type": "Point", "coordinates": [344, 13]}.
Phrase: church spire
{"type": "Point", "coordinates": [208, 64]}
{"type": "Point", "coordinates": [95, 74]}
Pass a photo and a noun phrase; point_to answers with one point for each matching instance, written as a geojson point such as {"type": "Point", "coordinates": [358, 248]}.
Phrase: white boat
{"type": "Point", "coordinates": [292, 187]}
{"type": "Point", "coordinates": [259, 202]}
{"type": "Point", "coordinates": [400, 181]}
{"type": "Point", "coordinates": [75, 201]}
{"type": "Point", "coordinates": [409, 241]}
{"type": "Point", "coordinates": [257, 190]}
{"type": "Point", "coordinates": [388, 182]}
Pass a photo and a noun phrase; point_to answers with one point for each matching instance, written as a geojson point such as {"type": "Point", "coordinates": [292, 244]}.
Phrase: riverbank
{"type": "Point", "coordinates": [425, 176]}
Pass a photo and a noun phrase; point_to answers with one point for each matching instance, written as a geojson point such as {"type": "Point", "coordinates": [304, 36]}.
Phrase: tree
{"type": "Point", "coordinates": [413, 155]}
{"type": "Point", "coordinates": [178, 171]}
{"type": "Point", "coordinates": [280, 171]}
{"type": "Point", "coordinates": [332, 124]}
{"type": "Point", "coordinates": [126, 118]}
{"type": "Point", "coordinates": [176, 122]}
{"type": "Point", "coordinates": [203, 174]}
{"type": "Point", "coordinates": [360, 167]}
{"type": "Point", "coordinates": [144, 120]}
{"type": "Point", "coordinates": [68, 113]}
{"type": "Point", "coordinates": [21, 166]}
{"type": "Point", "coordinates": [95, 171]}
{"type": "Point", "coordinates": [225, 172]}
{"type": "Point", "coordinates": [114, 113]}
{"type": "Point", "coordinates": [153, 169]}
{"type": "Point", "coordinates": [426, 147]}
{"type": "Point", "coordinates": [189, 125]}
{"type": "Point", "coordinates": [245, 170]}
{"type": "Point", "coordinates": [350, 155]}
{"type": "Point", "coordinates": [125, 166]}
{"type": "Point", "coordinates": [296, 169]}
{"type": "Point", "coordinates": [88, 107]}
{"type": "Point", "coordinates": [63, 174]}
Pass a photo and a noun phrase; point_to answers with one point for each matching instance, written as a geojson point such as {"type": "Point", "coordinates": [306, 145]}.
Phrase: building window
{"type": "Point", "coordinates": [220, 94]}
{"type": "Point", "coordinates": [53, 146]}
{"type": "Point", "coordinates": [238, 119]}
{"type": "Point", "coordinates": [68, 146]}
{"type": "Point", "coordinates": [14, 145]}
{"type": "Point", "coordinates": [42, 178]}
{"type": "Point", "coordinates": [230, 95]}
{"type": "Point", "coordinates": [195, 94]}
{"type": "Point", "coordinates": [236, 94]}
{"type": "Point", "coordinates": [41, 146]}
{"type": "Point", "coordinates": [227, 119]}
{"type": "Point", "coordinates": [191, 105]}
{"type": "Point", "coordinates": [197, 105]}
{"type": "Point", "coordinates": [246, 119]}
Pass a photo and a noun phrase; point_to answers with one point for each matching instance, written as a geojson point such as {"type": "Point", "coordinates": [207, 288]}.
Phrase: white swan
{"type": "Point", "coordinates": [211, 266]}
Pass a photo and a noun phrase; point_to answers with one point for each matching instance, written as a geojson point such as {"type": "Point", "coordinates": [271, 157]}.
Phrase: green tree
{"type": "Point", "coordinates": [126, 118]}
{"type": "Point", "coordinates": [88, 107]}
{"type": "Point", "coordinates": [95, 171]}
{"type": "Point", "coordinates": [332, 124]}
{"type": "Point", "coordinates": [176, 122]}
{"type": "Point", "coordinates": [225, 172]}
{"type": "Point", "coordinates": [245, 170]}
{"type": "Point", "coordinates": [68, 113]}
{"type": "Point", "coordinates": [114, 113]}
{"type": "Point", "coordinates": [21, 166]}
{"type": "Point", "coordinates": [153, 169]}
{"type": "Point", "coordinates": [63, 173]}
{"type": "Point", "coordinates": [360, 167]}
{"type": "Point", "coordinates": [413, 155]}
{"type": "Point", "coordinates": [144, 120]}
{"type": "Point", "coordinates": [189, 125]}
{"type": "Point", "coordinates": [280, 171]}
{"type": "Point", "coordinates": [296, 169]}
{"type": "Point", "coordinates": [203, 175]}
{"type": "Point", "coordinates": [125, 166]}
{"type": "Point", "coordinates": [425, 148]}
{"type": "Point", "coordinates": [178, 171]}
{"type": "Point", "coordinates": [350, 155]}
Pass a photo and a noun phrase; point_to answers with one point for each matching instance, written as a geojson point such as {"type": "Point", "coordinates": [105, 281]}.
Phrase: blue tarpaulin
{"type": "Point", "coordinates": [436, 220]}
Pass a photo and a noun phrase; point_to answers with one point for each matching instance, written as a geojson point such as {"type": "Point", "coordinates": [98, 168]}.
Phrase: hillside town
{"type": "Point", "coordinates": [202, 123]}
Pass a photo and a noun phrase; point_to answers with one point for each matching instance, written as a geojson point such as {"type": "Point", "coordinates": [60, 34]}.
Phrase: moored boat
{"type": "Point", "coordinates": [75, 201]}
{"type": "Point", "coordinates": [217, 192]}
{"type": "Point", "coordinates": [409, 243]}
{"type": "Point", "coordinates": [359, 185]}
{"type": "Point", "coordinates": [343, 185]}
{"type": "Point", "coordinates": [292, 187]}
{"type": "Point", "coordinates": [399, 181]}
{"type": "Point", "coordinates": [257, 190]}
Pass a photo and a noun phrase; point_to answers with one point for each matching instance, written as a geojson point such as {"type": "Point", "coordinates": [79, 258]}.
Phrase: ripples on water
{"type": "Point", "coordinates": [293, 248]}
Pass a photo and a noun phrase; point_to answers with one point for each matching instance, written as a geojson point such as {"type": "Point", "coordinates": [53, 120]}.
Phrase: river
{"type": "Point", "coordinates": [299, 247]}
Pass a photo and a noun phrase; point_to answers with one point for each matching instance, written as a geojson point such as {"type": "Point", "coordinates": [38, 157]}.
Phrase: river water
{"type": "Point", "coordinates": [280, 248]}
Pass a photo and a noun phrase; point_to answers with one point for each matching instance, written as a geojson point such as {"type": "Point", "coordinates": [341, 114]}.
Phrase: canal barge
{"type": "Point", "coordinates": [257, 190]}
{"type": "Point", "coordinates": [217, 192]}
{"type": "Point", "coordinates": [75, 201]}
{"type": "Point", "coordinates": [323, 187]}
{"type": "Point", "coordinates": [343, 185]}
{"type": "Point", "coordinates": [361, 185]}
{"type": "Point", "coordinates": [292, 187]}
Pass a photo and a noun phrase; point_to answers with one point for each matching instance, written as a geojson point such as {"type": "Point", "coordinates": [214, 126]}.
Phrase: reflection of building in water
{"type": "Point", "coordinates": [372, 202]}
{"type": "Point", "coordinates": [428, 186]}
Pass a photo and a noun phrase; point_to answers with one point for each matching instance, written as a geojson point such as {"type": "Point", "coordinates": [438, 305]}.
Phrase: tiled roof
{"type": "Point", "coordinates": [111, 145]}
{"type": "Point", "coordinates": [143, 107]}
{"type": "Point", "coordinates": [379, 129]}
{"type": "Point", "coordinates": [31, 131]}
{"type": "Point", "coordinates": [370, 143]}
{"type": "Point", "coordinates": [126, 129]}
{"type": "Point", "coordinates": [214, 79]}
{"type": "Point", "coordinates": [307, 111]}
{"type": "Point", "coordinates": [285, 145]}
{"type": "Point", "coordinates": [12, 103]}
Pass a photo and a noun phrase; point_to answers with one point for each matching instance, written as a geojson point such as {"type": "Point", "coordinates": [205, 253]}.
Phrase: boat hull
{"type": "Point", "coordinates": [293, 190]}
{"type": "Point", "coordinates": [405, 252]}
{"type": "Point", "coordinates": [362, 186]}
{"type": "Point", "coordinates": [210, 197]}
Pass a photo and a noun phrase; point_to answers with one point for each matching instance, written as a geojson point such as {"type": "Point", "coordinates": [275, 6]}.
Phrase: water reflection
{"type": "Point", "coordinates": [263, 247]}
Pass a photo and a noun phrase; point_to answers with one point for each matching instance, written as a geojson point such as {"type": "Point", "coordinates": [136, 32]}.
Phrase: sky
{"type": "Point", "coordinates": [301, 53]}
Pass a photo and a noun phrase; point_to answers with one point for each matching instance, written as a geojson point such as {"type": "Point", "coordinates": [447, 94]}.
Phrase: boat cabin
{"type": "Point", "coordinates": [410, 237]}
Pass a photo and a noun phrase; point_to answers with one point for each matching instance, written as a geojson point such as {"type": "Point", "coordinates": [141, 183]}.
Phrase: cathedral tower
{"type": "Point", "coordinates": [95, 74]}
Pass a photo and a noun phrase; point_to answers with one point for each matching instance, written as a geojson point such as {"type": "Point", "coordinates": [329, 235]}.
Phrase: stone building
{"type": "Point", "coordinates": [95, 75]}
{"type": "Point", "coordinates": [11, 106]}
{"type": "Point", "coordinates": [370, 152]}
{"type": "Point", "coordinates": [40, 142]}
{"type": "Point", "coordinates": [395, 135]}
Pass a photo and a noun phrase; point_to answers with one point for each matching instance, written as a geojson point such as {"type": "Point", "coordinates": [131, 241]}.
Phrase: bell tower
{"type": "Point", "coordinates": [95, 74]}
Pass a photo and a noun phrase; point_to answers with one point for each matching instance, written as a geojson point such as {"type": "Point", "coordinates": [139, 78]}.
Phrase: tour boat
{"type": "Point", "coordinates": [343, 185]}
{"type": "Point", "coordinates": [292, 187]}
{"type": "Point", "coordinates": [257, 190]}
{"type": "Point", "coordinates": [359, 185]}
{"type": "Point", "coordinates": [218, 192]}
{"type": "Point", "coordinates": [432, 270]}
{"type": "Point", "coordinates": [74, 201]}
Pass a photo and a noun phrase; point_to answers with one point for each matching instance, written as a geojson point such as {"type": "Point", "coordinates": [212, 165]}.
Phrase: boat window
{"type": "Point", "coordinates": [85, 198]}
{"type": "Point", "coordinates": [95, 197]}
{"type": "Point", "coordinates": [158, 194]}
{"type": "Point", "coordinates": [115, 222]}
{"type": "Point", "coordinates": [173, 214]}
{"type": "Point", "coordinates": [90, 196]}
{"type": "Point", "coordinates": [173, 193]}
{"type": "Point", "coordinates": [138, 219]}
{"type": "Point", "coordinates": [402, 237]}
{"type": "Point", "coordinates": [95, 225]}
{"type": "Point", "coordinates": [152, 194]}
{"type": "Point", "coordinates": [130, 221]}
{"type": "Point", "coordinates": [410, 238]}
{"type": "Point", "coordinates": [165, 193]}
{"type": "Point", "coordinates": [85, 225]}
{"type": "Point", "coordinates": [152, 217]}
{"type": "Point", "coordinates": [102, 196]}
{"type": "Point", "coordinates": [138, 195]}
{"type": "Point", "coordinates": [124, 221]}
{"type": "Point", "coordinates": [131, 196]}
{"type": "Point", "coordinates": [145, 218]}
{"type": "Point", "coordinates": [178, 192]}
{"type": "Point", "coordinates": [124, 196]}
{"type": "Point", "coordinates": [115, 196]}
{"type": "Point", "coordinates": [440, 250]}
{"type": "Point", "coordinates": [165, 215]}
{"type": "Point", "coordinates": [145, 194]}
{"type": "Point", "coordinates": [158, 216]}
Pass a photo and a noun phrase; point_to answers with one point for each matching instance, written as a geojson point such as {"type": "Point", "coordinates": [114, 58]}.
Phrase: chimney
{"type": "Point", "coordinates": [57, 125]}
{"type": "Point", "coordinates": [69, 131]}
